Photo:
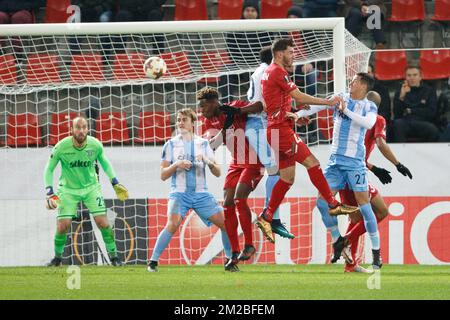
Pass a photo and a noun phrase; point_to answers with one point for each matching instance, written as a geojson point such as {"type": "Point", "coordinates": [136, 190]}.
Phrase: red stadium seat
{"type": "Point", "coordinates": [190, 10]}
{"type": "Point", "coordinates": [8, 69]}
{"type": "Point", "coordinates": [272, 9]}
{"type": "Point", "coordinates": [229, 9]}
{"type": "Point", "coordinates": [60, 126]}
{"type": "Point", "coordinates": [177, 64]}
{"type": "Point", "coordinates": [212, 62]}
{"type": "Point", "coordinates": [111, 127]}
{"type": "Point", "coordinates": [129, 66]}
{"type": "Point", "coordinates": [23, 130]}
{"type": "Point", "coordinates": [154, 127]}
{"type": "Point", "coordinates": [86, 68]}
{"type": "Point", "coordinates": [435, 64]}
{"type": "Point", "coordinates": [441, 10]}
{"type": "Point", "coordinates": [43, 68]}
{"type": "Point", "coordinates": [390, 65]}
{"type": "Point", "coordinates": [56, 11]}
{"type": "Point", "coordinates": [407, 10]}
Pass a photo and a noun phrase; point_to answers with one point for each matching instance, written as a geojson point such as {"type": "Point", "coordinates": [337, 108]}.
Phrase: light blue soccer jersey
{"type": "Point", "coordinates": [254, 92]}
{"type": "Point", "coordinates": [193, 180]}
{"type": "Point", "coordinates": [348, 136]}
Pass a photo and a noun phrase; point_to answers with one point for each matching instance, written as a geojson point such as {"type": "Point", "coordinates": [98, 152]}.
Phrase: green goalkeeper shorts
{"type": "Point", "coordinates": [91, 197]}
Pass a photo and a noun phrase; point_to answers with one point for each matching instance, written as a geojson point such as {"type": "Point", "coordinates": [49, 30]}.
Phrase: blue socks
{"type": "Point", "coordinates": [330, 222]}
{"type": "Point", "coordinates": [161, 243]}
{"type": "Point", "coordinates": [370, 222]}
{"type": "Point", "coordinates": [270, 183]}
{"type": "Point", "coordinates": [226, 244]}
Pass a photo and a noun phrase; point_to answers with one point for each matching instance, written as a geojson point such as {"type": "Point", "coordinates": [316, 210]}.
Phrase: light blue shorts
{"type": "Point", "coordinates": [342, 170]}
{"type": "Point", "coordinates": [256, 134]}
{"type": "Point", "coordinates": [203, 203]}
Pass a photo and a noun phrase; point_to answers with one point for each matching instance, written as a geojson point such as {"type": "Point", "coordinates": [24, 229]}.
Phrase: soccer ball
{"type": "Point", "coordinates": [155, 67]}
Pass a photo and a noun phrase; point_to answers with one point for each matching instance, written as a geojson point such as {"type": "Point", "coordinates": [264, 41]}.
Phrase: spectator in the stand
{"type": "Point", "coordinates": [96, 10]}
{"type": "Point", "coordinates": [415, 106]}
{"type": "Point", "coordinates": [140, 10]}
{"type": "Point", "coordinates": [320, 8]}
{"type": "Point", "coordinates": [18, 11]}
{"type": "Point", "coordinates": [305, 74]}
{"type": "Point", "coordinates": [243, 48]}
{"type": "Point", "coordinates": [443, 116]}
{"type": "Point", "coordinates": [356, 14]}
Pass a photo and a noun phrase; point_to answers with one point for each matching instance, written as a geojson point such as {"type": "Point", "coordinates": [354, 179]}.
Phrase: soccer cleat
{"type": "Point", "coordinates": [280, 229]}
{"type": "Point", "coordinates": [247, 253]}
{"type": "Point", "coordinates": [342, 209]}
{"type": "Point", "coordinates": [231, 264]}
{"type": "Point", "coordinates": [152, 266]}
{"type": "Point", "coordinates": [377, 262]}
{"type": "Point", "coordinates": [265, 227]}
{"type": "Point", "coordinates": [338, 246]}
{"type": "Point", "coordinates": [56, 262]}
{"type": "Point", "coordinates": [347, 254]}
{"type": "Point", "coordinates": [356, 268]}
{"type": "Point", "coordinates": [115, 261]}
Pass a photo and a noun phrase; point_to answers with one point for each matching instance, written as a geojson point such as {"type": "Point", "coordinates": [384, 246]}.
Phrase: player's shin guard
{"type": "Point", "coordinates": [370, 223]}
{"type": "Point", "coordinates": [226, 244]}
{"type": "Point", "coordinates": [110, 243]}
{"type": "Point", "coordinates": [270, 184]}
{"type": "Point", "coordinates": [318, 180]}
{"type": "Point", "coordinates": [330, 222]}
{"type": "Point", "coordinates": [279, 191]}
{"type": "Point", "coordinates": [231, 224]}
{"type": "Point", "coordinates": [245, 218]}
{"type": "Point", "coordinates": [161, 244]}
{"type": "Point", "coordinates": [60, 242]}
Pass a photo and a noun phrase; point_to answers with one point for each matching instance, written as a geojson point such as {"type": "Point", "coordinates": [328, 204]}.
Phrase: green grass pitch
{"type": "Point", "coordinates": [211, 282]}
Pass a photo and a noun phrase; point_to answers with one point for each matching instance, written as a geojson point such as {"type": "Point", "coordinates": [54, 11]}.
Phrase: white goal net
{"type": "Point", "coordinates": [51, 73]}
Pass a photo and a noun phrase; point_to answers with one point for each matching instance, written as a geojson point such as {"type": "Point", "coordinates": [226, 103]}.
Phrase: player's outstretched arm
{"type": "Point", "coordinates": [367, 121]}
{"type": "Point", "coordinates": [386, 151]}
{"type": "Point", "coordinates": [254, 107]}
{"type": "Point", "coordinates": [305, 99]}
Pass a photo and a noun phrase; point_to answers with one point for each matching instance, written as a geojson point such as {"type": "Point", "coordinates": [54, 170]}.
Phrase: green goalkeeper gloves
{"type": "Point", "coordinates": [121, 191]}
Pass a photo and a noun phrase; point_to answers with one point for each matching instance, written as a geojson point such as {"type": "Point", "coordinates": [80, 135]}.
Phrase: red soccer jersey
{"type": "Point", "coordinates": [378, 130]}
{"type": "Point", "coordinates": [242, 154]}
{"type": "Point", "coordinates": [276, 88]}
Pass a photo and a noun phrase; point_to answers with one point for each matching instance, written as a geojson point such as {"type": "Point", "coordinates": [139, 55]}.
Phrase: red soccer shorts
{"type": "Point", "coordinates": [237, 174]}
{"type": "Point", "coordinates": [289, 145]}
{"type": "Point", "coordinates": [348, 197]}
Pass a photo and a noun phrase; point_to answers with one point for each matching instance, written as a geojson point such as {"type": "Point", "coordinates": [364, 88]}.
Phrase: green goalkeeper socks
{"type": "Point", "coordinates": [108, 237]}
{"type": "Point", "coordinates": [60, 242]}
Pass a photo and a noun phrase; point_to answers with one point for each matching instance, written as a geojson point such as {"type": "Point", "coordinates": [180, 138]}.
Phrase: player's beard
{"type": "Point", "coordinates": [288, 62]}
{"type": "Point", "coordinates": [80, 138]}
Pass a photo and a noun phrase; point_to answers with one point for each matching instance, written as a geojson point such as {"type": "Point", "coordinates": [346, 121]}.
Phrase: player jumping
{"type": "Point", "coordinates": [79, 183]}
{"type": "Point", "coordinates": [278, 91]}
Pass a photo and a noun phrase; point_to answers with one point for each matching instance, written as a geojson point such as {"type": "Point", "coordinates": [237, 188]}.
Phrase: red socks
{"type": "Point", "coordinates": [318, 180]}
{"type": "Point", "coordinates": [245, 218]}
{"type": "Point", "coordinates": [231, 225]}
{"type": "Point", "coordinates": [279, 191]}
{"type": "Point", "coordinates": [358, 230]}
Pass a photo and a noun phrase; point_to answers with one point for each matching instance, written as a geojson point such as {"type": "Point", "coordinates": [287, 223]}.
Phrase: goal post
{"type": "Point", "coordinates": [50, 73]}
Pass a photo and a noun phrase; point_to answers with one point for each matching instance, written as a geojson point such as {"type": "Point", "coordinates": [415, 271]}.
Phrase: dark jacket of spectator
{"type": "Point", "coordinates": [140, 10]}
{"type": "Point", "coordinates": [384, 109]}
{"type": "Point", "coordinates": [11, 6]}
{"type": "Point", "coordinates": [422, 102]}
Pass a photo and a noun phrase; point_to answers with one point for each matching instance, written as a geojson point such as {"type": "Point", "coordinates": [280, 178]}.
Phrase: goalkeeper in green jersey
{"type": "Point", "coordinates": [79, 182]}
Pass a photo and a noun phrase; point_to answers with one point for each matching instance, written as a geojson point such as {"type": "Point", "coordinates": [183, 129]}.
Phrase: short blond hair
{"type": "Point", "coordinates": [188, 112]}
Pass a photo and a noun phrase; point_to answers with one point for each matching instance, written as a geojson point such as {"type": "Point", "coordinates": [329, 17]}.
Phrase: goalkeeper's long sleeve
{"type": "Point", "coordinates": [106, 165]}
{"type": "Point", "coordinates": [49, 169]}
